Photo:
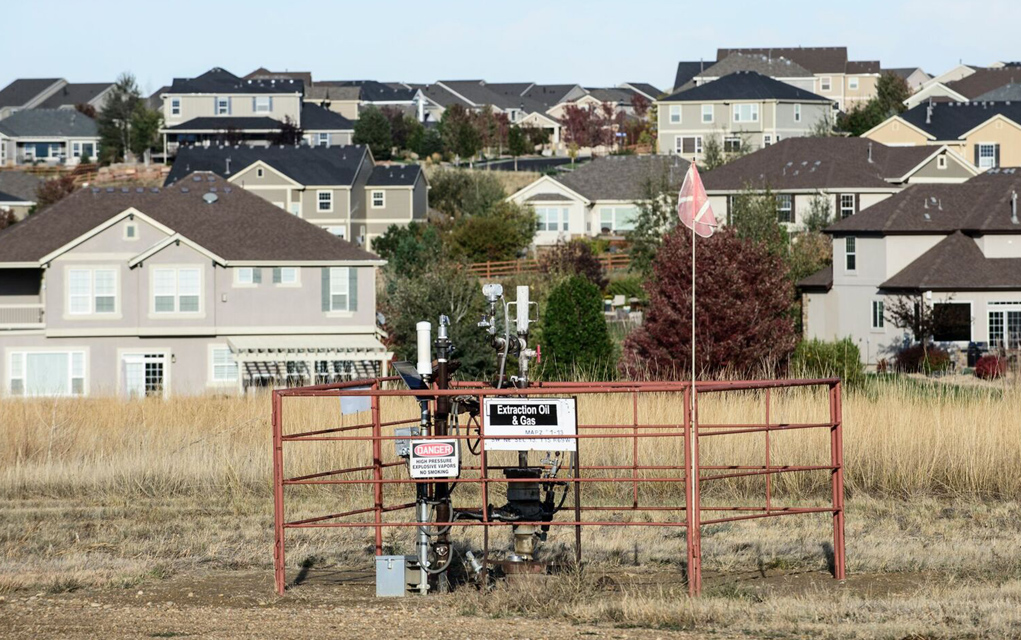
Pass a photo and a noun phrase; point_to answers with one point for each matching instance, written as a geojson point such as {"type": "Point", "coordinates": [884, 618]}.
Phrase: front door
{"type": "Point", "coordinates": [144, 375]}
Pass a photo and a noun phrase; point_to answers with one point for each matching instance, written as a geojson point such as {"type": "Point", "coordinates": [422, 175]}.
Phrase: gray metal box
{"type": "Point", "coordinates": [390, 577]}
{"type": "Point", "coordinates": [403, 447]}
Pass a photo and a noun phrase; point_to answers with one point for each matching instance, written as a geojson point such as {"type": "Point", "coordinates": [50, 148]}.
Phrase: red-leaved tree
{"type": "Point", "coordinates": [578, 125]}
{"type": "Point", "coordinates": [743, 320]}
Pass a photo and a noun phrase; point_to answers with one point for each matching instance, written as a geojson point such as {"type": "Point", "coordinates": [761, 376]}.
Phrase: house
{"type": "Point", "coordinates": [845, 82]}
{"type": "Point", "coordinates": [599, 197]}
{"type": "Point", "coordinates": [741, 109]}
{"type": "Point", "coordinates": [987, 134]}
{"type": "Point", "coordinates": [338, 188]}
{"type": "Point", "coordinates": [971, 87]}
{"type": "Point", "coordinates": [686, 70]}
{"type": "Point", "coordinates": [955, 245]}
{"type": "Point", "coordinates": [349, 97]}
{"type": "Point", "coordinates": [780, 69]}
{"type": "Point", "coordinates": [914, 77]}
{"type": "Point", "coordinates": [197, 288]}
{"type": "Point", "coordinates": [48, 136]}
{"type": "Point", "coordinates": [18, 192]}
{"type": "Point", "coordinates": [323, 127]}
{"type": "Point", "coordinates": [848, 174]}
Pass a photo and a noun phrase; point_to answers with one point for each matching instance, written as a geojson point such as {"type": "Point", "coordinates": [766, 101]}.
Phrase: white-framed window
{"type": "Point", "coordinates": [259, 172]}
{"type": "Point", "coordinates": [47, 373]}
{"type": "Point", "coordinates": [223, 106]}
{"type": "Point", "coordinates": [784, 207]}
{"type": "Point", "coordinates": [825, 83]}
{"type": "Point", "coordinates": [222, 364]}
{"type": "Point", "coordinates": [175, 106]}
{"type": "Point", "coordinates": [878, 322]}
{"type": "Point", "coordinates": [732, 144]}
{"type": "Point", "coordinates": [552, 218]}
{"type": "Point", "coordinates": [339, 288]}
{"type": "Point", "coordinates": [324, 200]}
{"type": "Point", "coordinates": [245, 275]}
{"type": "Point", "coordinates": [746, 112]}
{"type": "Point", "coordinates": [91, 291]}
{"type": "Point", "coordinates": [622, 218]}
{"type": "Point", "coordinates": [767, 139]}
{"type": "Point", "coordinates": [378, 199]}
{"type": "Point", "coordinates": [323, 139]}
{"type": "Point", "coordinates": [130, 231]}
{"type": "Point", "coordinates": [340, 231]}
{"type": "Point", "coordinates": [850, 254]}
{"type": "Point", "coordinates": [707, 113]}
{"type": "Point", "coordinates": [797, 113]}
{"type": "Point", "coordinates": [986, 156]}
{"type": "Point", "coordinates": [76, 149]}
{"type": "Point", "coordinates": [262, 104]}
{"type": "Point", "coordinates": [675, 114]}
{"type": "Point", "coordinates": [285, 275]}
{"type": "Point", "coordinates": [846, 205]}
{"type": "Point", "coordinates": [1005, 328]}
{"type": "Point", "coordinates": [177, 289]}
{"type": "Point", "coordinates": [145, 374]}
{"type": "Point", "coordinates": [941, 162]}
{"type": "Point", "coordinates": [852, 83]}
{"type": "Point", "coordinates": [688, 145]}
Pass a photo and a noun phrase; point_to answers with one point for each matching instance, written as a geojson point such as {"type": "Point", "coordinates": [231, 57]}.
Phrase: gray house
{"type": "Point", "coordinates": [48, 136]}
{"type": "Point", "coordinates": [201, 287]}
{"type": "Point", "coordinates": [338, 188]}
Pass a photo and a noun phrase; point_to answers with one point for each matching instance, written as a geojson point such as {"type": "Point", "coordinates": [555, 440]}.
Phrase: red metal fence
{"type": "Point", "coordinates": [381, 474]}
{"type": "Point", "coordinates": [496, 269]}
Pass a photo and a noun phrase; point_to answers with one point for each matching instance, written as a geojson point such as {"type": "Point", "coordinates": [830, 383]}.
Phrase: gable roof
{"type": "Point", "coordinates": [395, 175]}
{"type": "Point", "coordinates": [23, 90]}
{"type": "Point", "coordinates": [745, 85]}
{"type": "Point", "coordinates": [20, 184]}
{"type": "Point", "coordinates": [818, 163]}
{"type": "Point", "coordinates": [238, 226]}
{"type": "Point", "coordinates": [984, 81]}
{"type": "Point", "coordinates": [686, 70]}
{"type": "Point", "coordinates": [328, 91]}
{"type": "Point", "coordinates": [1008, 92]}
{"type": "Point", "coordinates": [957, 263]}
{"type": "Point", "coordinates": [317, 118]}
{"type": "Point", "coordinates": [218, 80]}
{"type": "Point", "coordinates": [440, 95]}
{"type": "Point", "coordinates": [305, 165]}
{"type": "Point", "coordinates": [73, 94]}
{"type": "Point", "coordinates": [623, 177]}
{"type": "Point", "coordinates": [815, 59]}
{"type": "Point", "coordinates": [549, 94]}
{"type": "Point", "coordinates": [950, 120]}
{"type": "Point", "coordinates": [227, 123]}
{"type": "Point", "coordinates": [644, 88]}
{"type": "Point", "coordinates": [374, 91]}
{"type": "Point", "coordinates": [904, 72]}
{"type": "Point", "coordinates": [262, 73]}
{"type": "Point", "coordinates": [759, 63]}
{"type": "Point", "coordinates": [49, 122]}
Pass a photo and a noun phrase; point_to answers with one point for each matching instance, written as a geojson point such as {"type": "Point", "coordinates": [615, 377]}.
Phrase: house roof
{"type": "Point", "coordinates": [649, 90]}
{"type": "Point", "coordinates": [217, 80]}
{"type": "Point", "coordinates": [23, 90]}
{"type": "Point", "coordinates": [745, 85]}
{"type": "Point", "coordinates": [327, 91]}
{"type": "Point", "coordinates": [862, 66]}
{"type": "Point", "coordinates": [440, 95]}
{"type": "Point", "coordinates": [548, 197]}
{"type": "Point", "coordinates": [239, 225]}
{"type": "Point", "coordinates": [303, 164]}
{"type": "Point", "coordinates": [819, 282]}
{"type": "Point", "coordinates": [49, 122]}
{"type": "Point", "coordinates": [6, 197]}
{"type": "Point", "coordinates": [1008, 92]}
{"type": "Point", "coordinates": [949, 120]}
{"type": "Point", "coordinates": [984, 81]}
{"type": "Point", "coordinates": [72, 94]}
{"type": "Point", "coordinates": [957, 263]}
{"type": "Point", "coordinates": [262, 73]}
{"type": "Point", "coordinates": [759, 63]}
{"type": "Point", "coordinates": [815, 59]}
{"type": "Point", "coordinates": [686, 70]}
{"type": "Point", "coordinates": [19, 184]}
{"type": "Point", "coordinates": [227, 123]}
{"type": "Point", "coordinates": [155, 100]}
{"type": "Point", "coordinates": [623, 177]}
{"type": "Point", "coordinates": [613, 95]}
{"type": "Point", "coordinates": [373, 91]}
{"type": "Point", "coordinates": [395, 175]}
{"type": "Point", "coordinates": [549, 94]}
{"type": "Point", "coordinates": [904, 72]}
{"type": "Point", "coordinates": [818, 163]}
{"type": "Point", "coordinates": [316, 118]}
{"type": "Point", "coordinates": [980, 205]}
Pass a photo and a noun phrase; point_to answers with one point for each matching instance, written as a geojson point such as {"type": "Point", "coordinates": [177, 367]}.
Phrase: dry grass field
{"type": "Point", "coordinates": [159, 513]}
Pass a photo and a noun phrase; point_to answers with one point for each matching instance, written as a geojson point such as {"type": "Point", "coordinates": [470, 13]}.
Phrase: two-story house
{"type": "Point", "coordinates": [987, 134]}
{"type": "Point", "coordinates": [199, 287]}
{"type": "Point", "coordinates": [338, 188]}
{"type": "Point", "coordinates": [600, 197]}
{"type": "Point", "coordinates": [846, 174]}
{"type": "Point", "coordinates": [744, 109]}
{"type": "Point", "coordinates": [957, 245]}
{"type": "Point", "coordinates": [48, 136]}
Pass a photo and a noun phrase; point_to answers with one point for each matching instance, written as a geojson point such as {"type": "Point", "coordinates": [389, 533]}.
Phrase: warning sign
{"type": "Point", "coordinates": [434, 459]}
{"type": "Point", "coordinates": [510, 418]}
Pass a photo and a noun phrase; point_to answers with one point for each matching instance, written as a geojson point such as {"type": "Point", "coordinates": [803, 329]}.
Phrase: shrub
{"type": "Point", "coordinates": [915, 359]}
{"type": "Point", "coordinates": [989, 367]}
{"type": "Point", "coordinates": [630, 287]}
{"type": "Point", "coordinates": [574, 257]}
{"type": "Point", "coordinates": [574, 330]}
{"type": "Point", "coordinates": [822, 359]}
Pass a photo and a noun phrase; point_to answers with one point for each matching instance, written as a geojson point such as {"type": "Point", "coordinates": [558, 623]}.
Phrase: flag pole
{"type": "Point", "coordinates": [696, 575]}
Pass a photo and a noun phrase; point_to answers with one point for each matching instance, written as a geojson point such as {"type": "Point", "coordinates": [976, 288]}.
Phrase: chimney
{"type": "Point", "coordinates": [1013, 207]}
{"type": "Point", "coordinates": [870, 151]}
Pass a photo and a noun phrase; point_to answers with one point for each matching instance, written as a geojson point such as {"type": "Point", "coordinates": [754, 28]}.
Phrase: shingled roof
{"type": "Point", "coordinates": [984, 81]}
{"type": "Point", "coordinates": [49, 122]}
{"type": "Point", "coordinates": [950, 120]}
{"type": "Point", "coordinates": [623, 177]}
{"type": "Point", "coordinates": [759, 63]}
{"type": "Point", "coordinates": [815, 59]}
{"type": "Point", "coordinates": [957, 263]}
{"type": "Point", "coordinates": [237, 226]}
{"type": "Point", "coordinates": [335, 165]}
{"type": "Point", "coordinates": [317, 118]}
{"type": "Point", "coordinates": [20, 184]}
{"type": "Point", "coordinates": [217, 81]}
{"type": "Point", "coordinates": [395, 175]}
{"type": "Point", "coordinates": [23, 90]}
{"type": "Point", "coordinates": [745, 85]}
{"type": "Point", "coordinates": [74, 94]}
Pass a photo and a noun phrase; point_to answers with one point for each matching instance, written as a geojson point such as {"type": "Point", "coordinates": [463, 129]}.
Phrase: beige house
{"type": "Point", "coordinates": [201, 287]}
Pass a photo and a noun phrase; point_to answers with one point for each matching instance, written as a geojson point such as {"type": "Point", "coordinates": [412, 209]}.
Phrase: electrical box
{"type": "Point", "coordinates": [390, 577]}
{"type": "Point", "coordinates": [402, 447]}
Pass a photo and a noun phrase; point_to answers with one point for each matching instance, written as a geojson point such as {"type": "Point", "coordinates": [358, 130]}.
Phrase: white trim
{"type": "Point", "coordinates": [68, 350]}
{"type": "Point", "coordinates": [238, 283]}
{"type": "Point", "coordinates": [132, 332]}
{"type": "Point", "coordinates": [92, 314]}
{"type": "Point", "coordinates": [211, 380]}
{"type": "Point", "coordinates": [177, 313]}
{"type": "Point", "coordinates": [927, 136]}
{"type": "Point", "coordinates": [168, 357]}
{"type": "Point", "coordinates": [999, 116]}
{"type": "Point", "coordinates": [262, 164]}
{"type": "Point", "coordinates": [130, 211]}
{"type": "Point", "coordinates": [544, 179]}
{"type": "Point", "coordinates": [319, 193]}
{"type": "Point", "coordinates": [372, 198]}
{"type": "Point", "coordinates": [175, 239]}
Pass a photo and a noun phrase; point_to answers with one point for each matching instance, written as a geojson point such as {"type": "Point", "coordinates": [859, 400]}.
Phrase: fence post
{"type": "Point", "coordinates": [837, 460]}
{"type": "Point", "coordinates": [377, 468]}
{"type": "Point", "coordinates": [278, 494]}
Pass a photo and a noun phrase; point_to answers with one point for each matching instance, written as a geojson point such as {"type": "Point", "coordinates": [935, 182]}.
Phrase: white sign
{"type": "Point", "coordinates": [510, 418]}
{"type": "Point", "coordinates": [434, 459]}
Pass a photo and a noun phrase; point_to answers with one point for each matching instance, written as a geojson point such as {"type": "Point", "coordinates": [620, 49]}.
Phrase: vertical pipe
{"type": "Point", "coordinates": [577, 504]}
{"type": "Point", "coordinates": [689, 511]}
{"type": "Point", "coordinates": [696, 491]}
{"type": "Point", "coordinates": [377, 467]}
{"type": "Point", "coordinates": [278, 494]}
{"type": "Point", "coordinates": [837, 442]}
{"type": "Point", "coordinates": [769, 475]}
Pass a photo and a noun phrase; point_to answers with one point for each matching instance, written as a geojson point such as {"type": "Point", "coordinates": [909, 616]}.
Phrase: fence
{"type": "Point", "coordinates": [635, 433]}
{"type": "Point", "coordinates": [497, 269]}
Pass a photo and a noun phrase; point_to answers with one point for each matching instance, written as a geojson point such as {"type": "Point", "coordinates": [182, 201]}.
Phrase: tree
{"type": "Point", "coordinates": [537, 136]}
{"type": "Point", "coordinates": [862, 117]}
{"type": "Point", "coordinates": [145, 130]}
{"type": "Point", "coordinates": [460, 136]}
{"type": "Point", "coordinates": [114, 121]}
{"type": "Point", "coordinates": [372, 128]}
{"type": "Point", "coordinates": [820, 213]}
{"type": "Point", "coordinates": [579, 126]}
{"type": "Point", "coordinates": [427, 143]}
{"type": "Point", "coordinates": [891, 92]}
{"type": "Point", "coordinates": [755, 218]}
{"type": "Point", "coordinates": [744, 325]}
{"type": "Point", "coordinates": [657, 214]}
{"type": "Point", "coordinates": [822, 127]}
{"type": "Point", "coordinates": [411, 249]}
{"type": "Point", "coordinates": [86, 109]}
{"type": "Point", "coordinates": [52, 191]}
{"type": "Point", "coordinates": [460, 192]}
{"type": "Point", "coordinates": [574, 258]}
{"type": "Point", "coordinates": [400, 128]}
{"type": "Point", "coordinates": [503, 233]}
{"type": "Point", "coordinates": [517, 144]}
{"type": "Point", "coordinates": [574, 330]}
{"type": "Point", "coordinates": [289, 134]}
{"type": "Point", "coordinates": [6, 218]}
{"type": "Point", "coordinates": [712, 153]}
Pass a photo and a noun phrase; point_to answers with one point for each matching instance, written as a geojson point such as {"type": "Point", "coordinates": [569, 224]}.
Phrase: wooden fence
{"type": "Point", "coordinates": [499, 269]}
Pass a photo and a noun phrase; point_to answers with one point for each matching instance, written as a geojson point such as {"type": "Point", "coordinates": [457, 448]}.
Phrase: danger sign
{"type": "Point", "coordinates": [511, 418]}
{"type": "Point", "coordinates": [434, 459]}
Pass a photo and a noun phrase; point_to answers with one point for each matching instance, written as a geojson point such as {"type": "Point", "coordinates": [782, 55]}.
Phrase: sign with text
{"type": "Point", "coordinates": [510, 418]}
{"type": "Point", "coordinates": [434, 459]}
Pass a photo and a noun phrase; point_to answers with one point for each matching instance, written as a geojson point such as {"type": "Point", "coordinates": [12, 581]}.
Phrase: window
{"type": "Point", "coordinates": [746, 113]}
{"type": "Point", "coordinates": [954, 320]}
{"type": "Point", "coordinates": [850, 254]}
{"type": "Point", "coordinates": [176, 290]}
{"type": "Point", "coordinates": [732, 144]}
{"type": "Point", "coordinates": [260, 172]}
{"type": "Point", "coordinates": [1005, 329]}
{"type": "Point", "coordinates": [878, 321]}
{"type": "Point", "coordinates": [323, 139]}
{"type": "Point", "coordinates": [47, 373]}
{"type": "Point", "coordinates": [767, 140]}
{"type": "Point", "coordinates": [223, 106]}
{"type": "Point", "coordinates": [76, 149]}
{"type": "Point", "coordinates": [144, 374]}
{"type": "Point", "coordinates": [846, 205]}
{"type": "Point", "coordinates": [286, 275]}
{"type": "Point", "coordinates": [552, 218]}
{"type": "Point", "coordinates": [339, 231]}
{"type": "Point", "coordinates": [785, 207]}
{"type": "Point", "coordinates": [690, 145]}
{"type": "Point", "coordinates": [245, 275]}
{"type": "Point", "coordinates": [987, 156]}
{"type": "Point", "coordinates": [225, 369]}
{"type": "Point", "coordinates": [91, 291]}
{"type": "Point", "coordinates": [707, 113]}
{"type": "Point", "coordinates": [825, 84]}
{"type": "Point", "coordinates": [617, 218]}
{"type": "Point", "coordinates": [852, 83]}
{"type": "Point", "coordinates": [797, 113]}
{"type": "Point", "coordinates": [131, 231]}
{"type": "Point", "coordinates": [262, 104]}
{"type": "Point", "coordinates": [175, 106]}
{"type": "Point", "coordinates": [675, 114]}
{"type": "Point", "coordinates": [378, 199]}
{"type": "Point", "coordinates": [324, 200]}
{"type": "Point", "coordinates": [941, 162]}
{"type": "Point", "coordinates": [339, 288]}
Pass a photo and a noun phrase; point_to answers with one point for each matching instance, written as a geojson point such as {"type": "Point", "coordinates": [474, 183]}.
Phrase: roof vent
{"type": "Point", "coordinates": [184, 189]}
{"type": "Point", "coordinates": [139, 189]}
{"type": "Point", "coordinates": [125, 190]}
{"type": "Point", "coordinates": [928, 114]}
{"type": "Point", "coordinates": [209, 198]}
{"type": "Point", "coordinates": [1013, 207]}
{"type": "Point", "coordinates": [196, 178]}
{"type": "Point", "coordinates": [870, 151]}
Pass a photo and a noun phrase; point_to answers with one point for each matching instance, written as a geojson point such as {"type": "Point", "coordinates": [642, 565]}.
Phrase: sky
{"type": "Point", "coordinates": [589, 42]}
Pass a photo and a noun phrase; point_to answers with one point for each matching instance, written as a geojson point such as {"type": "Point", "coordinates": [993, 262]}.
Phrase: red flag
{"type": "Point", "coordinates": [693, 206]}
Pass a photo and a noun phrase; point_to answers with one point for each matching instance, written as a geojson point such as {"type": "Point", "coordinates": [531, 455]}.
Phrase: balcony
{"type": "Point", "coordinates": [21, 316]}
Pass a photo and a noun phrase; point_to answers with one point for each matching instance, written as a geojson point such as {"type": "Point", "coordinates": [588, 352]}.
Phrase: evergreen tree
{"type": "Point", "coordinates": [372, 128]}
{"type": "Point", "coordinates": [575, 336]}
{"type": "Point", "coordinates": [114, 121]}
